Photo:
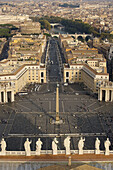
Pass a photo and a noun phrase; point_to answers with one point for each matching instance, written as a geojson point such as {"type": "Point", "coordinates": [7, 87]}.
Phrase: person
{"type": "Point", "coordinates": [27, 147]}
{"type": "Point", "coordinates": [107, 144]}
{"type": "Point", "coordinates": [97, 146]}
{"type": "Point", "coordinates": [3, 145]}
{"type": "Point", "coordinates": [67, 145]}
{"type": "Point", "coordinates": [54, 146]}
{"type": "Point", "coordinates": [81, 145]}
{"type": "Point", "coordinates": [38, 146]}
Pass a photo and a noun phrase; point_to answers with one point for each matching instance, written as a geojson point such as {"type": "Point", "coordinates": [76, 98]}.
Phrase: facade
{"type": "Point", "coordinates": [13, 82]}
{"type": "Point", "coordinates": [30, 27]}
{"type": "Point", "coordinates": [83, 73]}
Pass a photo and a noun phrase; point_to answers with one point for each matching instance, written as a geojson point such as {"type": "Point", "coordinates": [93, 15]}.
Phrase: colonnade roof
{"type": "Point", "coordinates": [87, 66]}
{"type": "Point", "coordinates": [20, 68]}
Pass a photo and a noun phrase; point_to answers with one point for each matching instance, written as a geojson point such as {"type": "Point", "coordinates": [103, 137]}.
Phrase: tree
{"type": "Point", "coordinates": [45, 24]}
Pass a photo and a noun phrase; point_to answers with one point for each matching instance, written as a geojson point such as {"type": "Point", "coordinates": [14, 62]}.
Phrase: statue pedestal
{"type": "Point", "coordinates": [3, 153]}
{"type": "Point", "coordinates": [27, 153]}
{"type": "Point", "coordinates": [37, 152]}
{"type": "Point", "coordinates": [56, 122]}
{"type": "Point", "coordinates": [67, 153]}
{"type": "Point", "coordinates": [80, 152]}
{"type": "Point", "coordinates": [97, 152]}
{"type": "Point", "coordinates": [54, 152]}
{"type": "Point", "coordinates": [106, 152]}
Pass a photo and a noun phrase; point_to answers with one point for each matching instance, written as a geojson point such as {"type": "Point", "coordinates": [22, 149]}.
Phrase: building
{"type": "Point", "coordinates": [105, 91]}
{"type": "Point", "coordinates": [27, 47]}
{"type": "Point", "coordinates": [84, 73]}
{"type": "Point", "coordinates": [30, 27]}
{"type": "Point", "coordinates": [14, 75]}
{"type": "Point", "coordinates": [85, 65]}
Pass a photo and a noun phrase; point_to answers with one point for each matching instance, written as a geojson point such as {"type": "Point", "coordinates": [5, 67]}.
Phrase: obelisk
{"type": "Point", "coordinates": [57, 104]}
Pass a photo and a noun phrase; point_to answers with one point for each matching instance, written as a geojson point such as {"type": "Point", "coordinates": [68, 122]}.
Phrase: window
{"type": "Point", "coordinates": [42, 74]}
{"type": "Point", "coordinates": [67, 74]}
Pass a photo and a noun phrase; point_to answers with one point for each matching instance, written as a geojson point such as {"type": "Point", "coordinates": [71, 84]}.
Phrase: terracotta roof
{"type": "Point", "coordinates": [96, 73]}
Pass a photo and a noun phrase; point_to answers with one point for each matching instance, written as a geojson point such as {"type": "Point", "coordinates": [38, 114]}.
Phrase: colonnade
{"type": "Point", "coordinates": [6, 96]}
{"type": "Point", "coordinates": [105, 95]}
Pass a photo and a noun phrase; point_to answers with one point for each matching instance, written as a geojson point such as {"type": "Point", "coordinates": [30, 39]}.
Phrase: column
{"type": "Point", "coordinates": [12, 96]}
{"type": "Point", "coordinates": [4, 97]}
{"type": "Point", "coordinates": [100, 95]}
{"type": "Point", "coordinates": [111, 95]}
{"type": "Point", "coordinates": [0, 97]}
{"type": "Point", "coordinates": [106, 95]}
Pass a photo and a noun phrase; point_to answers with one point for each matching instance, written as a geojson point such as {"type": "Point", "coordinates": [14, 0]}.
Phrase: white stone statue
{"type": "Point", "coordinates": [81, 145]}
{"type": "Point", "coordinates": [54, 146]}
{"type": "Point", "coordinates": [67, 145]}
{"type": "Point", "coordinates": [97, 146]}
{"type": "Point", "coordinates": [27, 147]}
{"type": "Point", "coordinates": [3, 146]}
{"type": "Point", "coordinates": [107, 144]}
{"type": "Point", "coordinates": [38, 146]}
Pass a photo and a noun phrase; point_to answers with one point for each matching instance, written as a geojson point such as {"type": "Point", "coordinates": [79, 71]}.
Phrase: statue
{"type": "Point", "coordinates": [81, 145]}
{"type": "Point", "coordinates": [107, 144]}
{"type": "Point", "coordinates": [97, 146]}
{"type": "Point", "coordinates": [3, 146]}
{"type": "Point", "coordinates": [54, 146]}
{"type": "Point", "coordinates": [38, 146]}
{"type": "Point", "coordinates": [67, 145]}
{"type": "Point", "coordinates": [27, 147]}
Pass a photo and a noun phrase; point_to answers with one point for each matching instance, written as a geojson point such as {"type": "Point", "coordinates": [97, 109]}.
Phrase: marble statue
{"type": "Point", "coordinates": [107, 144]}
{"type": "Point", "coordinates": [81, 145]}
{"type": "Point", "coordinates": [54, 146]}
{"type": "Point", "coordinates": [67, 145]}
{"type": "Point", "coordinates": [38, 146]}
{"type": "Point", "coordinates": [97, 146]}
{"type": "Point", "coordinates": [27, 147]}
{"type": "Point", "coordinates": [3, 146]}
